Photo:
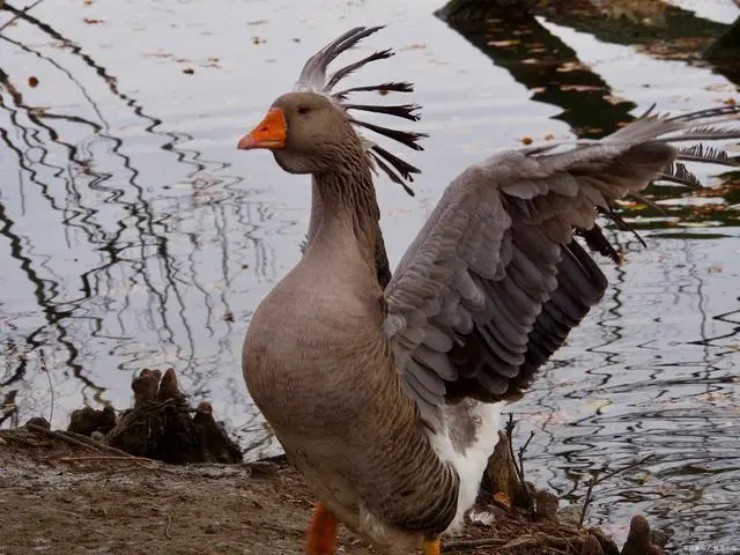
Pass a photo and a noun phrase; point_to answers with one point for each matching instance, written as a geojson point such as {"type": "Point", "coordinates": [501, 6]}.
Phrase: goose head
{"type": "Point", "coordinates": [306, 132]}
{"type": "Point", "coordinates": [311, 130]}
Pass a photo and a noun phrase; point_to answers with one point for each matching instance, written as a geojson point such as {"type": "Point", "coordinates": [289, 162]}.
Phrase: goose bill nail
{"type": "Point", "coordinates": [270, 133]}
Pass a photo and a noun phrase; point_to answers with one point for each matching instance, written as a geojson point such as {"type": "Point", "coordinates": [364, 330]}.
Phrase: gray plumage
{"type": "Point", "coordinates": [378, 389]}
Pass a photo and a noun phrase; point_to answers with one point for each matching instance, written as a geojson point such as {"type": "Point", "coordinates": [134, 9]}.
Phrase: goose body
{"type": "Point", "coordinates": [385, 390]}
{"type": "Point", "coordinates": [380, 469]}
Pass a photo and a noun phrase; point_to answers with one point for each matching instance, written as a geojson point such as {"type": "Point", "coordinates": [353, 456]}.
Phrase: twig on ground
{"type": "Point", "coordinates": [586, 502]}
{"type": "Point", "coordinates": [169, 524]}
{"type": "Point", "coordinates": [509, 428]}
{"type": "Point", "coordinates": [477, 542]}
{"type": "Point", "coordinates": [48, 375]}
{"type": "Point", "coordinates": [531, 542]}
{"type": "Point", "coordinates": [25, 442]}
{"type": "Point", "coordinates": [84, 441]}
{"type": "Point", "coordinates": [70, 513]}
{"type": "Point", "coordinates": [520, 454]}
{"type": "Point", "coordinates": [108, 458]}
{"type": "Point", "coordinates": [100, 446]}
{"type": "Point", "coordinates": [60, 436]}
{"type": "Point", "coordinates": [537, 539]}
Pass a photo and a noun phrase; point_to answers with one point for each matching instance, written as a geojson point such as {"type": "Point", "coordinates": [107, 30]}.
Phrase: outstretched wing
{"type": "Point", "coordinates": [495, 280]}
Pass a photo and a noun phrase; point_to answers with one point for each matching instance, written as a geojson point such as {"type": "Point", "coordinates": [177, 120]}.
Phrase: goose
{"type": "Point", "coordinates": [385, 389]}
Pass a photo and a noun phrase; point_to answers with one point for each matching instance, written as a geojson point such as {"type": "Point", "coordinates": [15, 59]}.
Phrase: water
{"type": "Point", "coordinates": [133, 234]}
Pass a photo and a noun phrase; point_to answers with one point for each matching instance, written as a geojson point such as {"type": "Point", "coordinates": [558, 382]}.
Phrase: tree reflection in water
{"type": "Point", "coordinates": [144, 292]}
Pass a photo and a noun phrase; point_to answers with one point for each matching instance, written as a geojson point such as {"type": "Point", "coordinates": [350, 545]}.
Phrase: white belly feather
{"type": "Point", "coordinates": [468, 456]}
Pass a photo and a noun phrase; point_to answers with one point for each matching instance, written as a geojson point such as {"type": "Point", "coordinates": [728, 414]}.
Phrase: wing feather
{"type": "Point", "coordinates": [496, 279]}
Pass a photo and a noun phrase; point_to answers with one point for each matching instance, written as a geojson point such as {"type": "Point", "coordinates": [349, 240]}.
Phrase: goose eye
{"type": "Point", "coordinates": [303, 110]}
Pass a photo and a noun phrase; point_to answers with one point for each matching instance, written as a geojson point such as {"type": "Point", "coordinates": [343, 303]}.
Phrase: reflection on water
{"type": "Point", "coordinates": [549, 68]}
{"type": "Point", "coordinates": [126, 241]}
{"type": "Point", "coordinates": [118, 273]}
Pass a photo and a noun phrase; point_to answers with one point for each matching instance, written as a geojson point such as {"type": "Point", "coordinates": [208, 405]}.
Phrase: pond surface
{"type": "Point", "coordinates": [133, 234]}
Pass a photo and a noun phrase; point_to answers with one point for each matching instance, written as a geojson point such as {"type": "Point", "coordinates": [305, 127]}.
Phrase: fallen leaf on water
{"type": "Point", "coordinates": [642, 478]}
{"type": "Point", "coordinates": [527, 140]}
{"type": "Point", "coordinates": [188, 70]}
{"type": "Point", "coordinates": [716, 87]}
{"type": "Point", "coordinates": [597, 405]}
{"type": "Point", "coordinates": [666, 488]}
{"type": "Point", "coordinates": [33, 81]}
{"type": "Point", "coordinates": [730, 101]}
{"type": "Point", "coordinates": [258, 40]}
{"type": "Point", "coordinates": [572, 66]}
{"type": "Point", "coordinates": [715, 397]}
{"type": "Point", "coordinates": [613, 99]}
{"type": "Point", "coordinates": [580, 88]}
{"type": "Point", "coordinates": [549, 137]}
{"type": "Point", "coordinates": [504, 43]}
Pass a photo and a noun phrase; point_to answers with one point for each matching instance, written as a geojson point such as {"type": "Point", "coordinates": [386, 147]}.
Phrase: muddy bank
{"type": "Point", "coordinates": [58, 497]}
{"type": "Point", "coordinates": [148, 480]}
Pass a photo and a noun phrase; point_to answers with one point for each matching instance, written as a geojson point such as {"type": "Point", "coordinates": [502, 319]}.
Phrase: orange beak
{"type": "Point", "coordinates": [270, 133]}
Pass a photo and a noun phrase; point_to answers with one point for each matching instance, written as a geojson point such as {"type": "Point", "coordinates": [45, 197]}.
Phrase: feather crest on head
{"type": "Point", "coordinates": [314, 78]}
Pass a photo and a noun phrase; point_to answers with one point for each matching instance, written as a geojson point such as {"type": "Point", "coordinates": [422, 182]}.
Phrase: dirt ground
{"type": "Point", "coordinates": [56, 498]}
{"type": "Point", "coordinates": [61, 498]}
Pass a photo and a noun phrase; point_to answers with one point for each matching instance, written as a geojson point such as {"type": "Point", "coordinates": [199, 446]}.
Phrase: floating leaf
{"type": "Point", "coordinates": [504, 43]}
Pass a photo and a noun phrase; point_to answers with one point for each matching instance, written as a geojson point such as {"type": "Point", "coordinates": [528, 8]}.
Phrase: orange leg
{"type": "Point", "coordinates": [431, 547]}
{"type": "Point", "coordinates": [321, 538]}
